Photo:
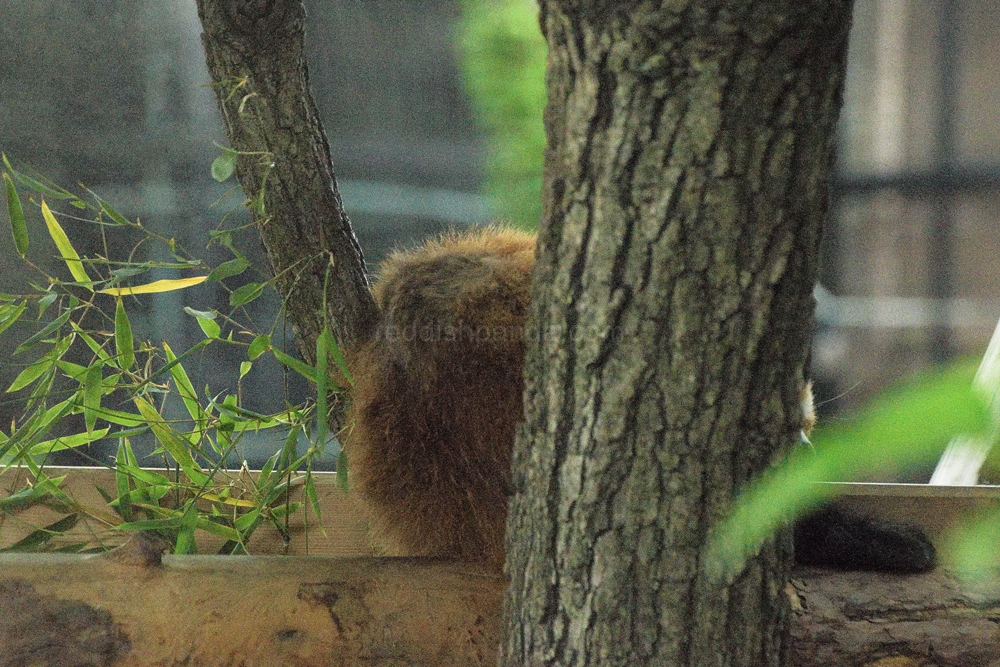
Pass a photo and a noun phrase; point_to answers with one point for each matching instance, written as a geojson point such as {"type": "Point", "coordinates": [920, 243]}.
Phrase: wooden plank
{"type": "Point", "coordinates": [344, 531]}
{"type": "Point", "coordinates": [255, 611]}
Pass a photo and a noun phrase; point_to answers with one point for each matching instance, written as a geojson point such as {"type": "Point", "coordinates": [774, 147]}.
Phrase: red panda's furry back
{"type": "Point", "coordinates": [437, 394]}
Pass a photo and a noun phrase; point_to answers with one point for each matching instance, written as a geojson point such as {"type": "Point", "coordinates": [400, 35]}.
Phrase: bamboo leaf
{"type": "Point", "coordinates": [185, 543]}
{"type": "Point", "coordinates": [188, 395]}
{"type": "Point", "coordinates": [10, 314]}
{"type": "Point", "coordinates": [40, 537]}
{"type": "Point", "coordinates": [45, 332]}
{"type": "Point", "coordinates": [22, 499]}
{"type": "Point", "coordinates": [247, 520]}
{"type": "Point", "coordinates": [30, 374]}
{"type": "Point", "coordinates": [66, 249]}
{"type": "Point", "coordinates": [210, 327]}
{"type": "Point", "coordinates": [152, 524]}
{"type": "Point", "coordinates": [245, 294]}
{"type": "Point", "coordinates": [124, 345]}
{"type": "Point", "coordinates": [176, 446]}
{"type": "Point", "coordinates": [92, 391]}
{"type": "Point", "coordinates": [310, 491]}
{"type": "Point", "coordinates": [37, 369]}
{"type": "Point", "coordinates": [51, 190]}
{"type": "Point", "coordinates": [258, 346]}
{"type": "Point", "coordinates": [203, 314]}
{"type": "Point", "coordinates": [233, 267]}
{"type": "Point", "coordinates": [300, 367]}
{"type": "Point", "coordinates": [121, 418]}
{"type": "Point", "coordinates": [122, 482]}
{"type": "Point", "coordinates": [322, 380]}
{"type": "Point", "coordinates": [67, 442]}
{"type": "Point", "coordinates": [217, 529]}
{"type": "Point", "coordinates": [110, 211]}
{"type": "Point", "coordinates": [224, 165]}
{"type": "Point", "coordinates": [157, 286]}
{"type": "Point", "coordinates": [338, 356]}
{"type": "Point", "coordinates": [17, 223]}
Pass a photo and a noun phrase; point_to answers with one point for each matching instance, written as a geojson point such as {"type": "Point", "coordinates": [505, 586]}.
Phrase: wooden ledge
{"type": "Point", "coordinates": [248, 610]}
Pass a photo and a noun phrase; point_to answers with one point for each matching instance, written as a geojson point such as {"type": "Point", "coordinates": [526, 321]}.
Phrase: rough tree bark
{"type": "Point", "coordinates": [254, 52]}
{"type": "Point", "coordinates": [689, 149]}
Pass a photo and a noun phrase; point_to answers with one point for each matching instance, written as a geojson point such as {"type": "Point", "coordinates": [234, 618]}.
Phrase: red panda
{"type": "Point", "coordinates": [437, 399]}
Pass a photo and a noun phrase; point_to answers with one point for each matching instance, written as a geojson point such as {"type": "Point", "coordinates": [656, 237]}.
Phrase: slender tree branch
{"type": "Point", "coordinates": [254, 51]}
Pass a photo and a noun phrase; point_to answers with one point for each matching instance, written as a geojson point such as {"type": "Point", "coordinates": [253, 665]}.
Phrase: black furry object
{"type": "Point", "coordinates": [836, 538]}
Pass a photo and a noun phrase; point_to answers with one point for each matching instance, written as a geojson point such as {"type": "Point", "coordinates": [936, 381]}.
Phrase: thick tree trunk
{"type": "Point", "coordinates": [254, 54]}
{"type": "Point", "coordinates": [686, 173]}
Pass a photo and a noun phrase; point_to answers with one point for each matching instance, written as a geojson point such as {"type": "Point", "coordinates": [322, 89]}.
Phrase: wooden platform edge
{"type": "Point", "coordinates": [249, 610]}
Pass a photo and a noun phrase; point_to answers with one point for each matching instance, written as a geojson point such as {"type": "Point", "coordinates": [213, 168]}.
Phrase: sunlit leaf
{"type": "Point", "coordinates": [157, 286]}
{"type": "Point", "coordinates": [66, 249]}
{"type": "Point", "coordinates": [210, 327]}
{"type": "Point", "coordinates": [11, 313]}
{"type": "Point", "coordinates": [30, 374]}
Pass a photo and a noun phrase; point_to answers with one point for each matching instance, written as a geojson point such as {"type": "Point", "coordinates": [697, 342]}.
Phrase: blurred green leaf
{"type": "Point", "coordinates": [503, 58]}
{"type": "Point", "coordinates": [908, 424]}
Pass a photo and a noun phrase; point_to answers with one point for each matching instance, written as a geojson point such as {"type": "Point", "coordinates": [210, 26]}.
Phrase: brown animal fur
{"type": "Point", "coordinates": [437, 399]}
{"type": "Point", "coordinates": [437, 394]}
